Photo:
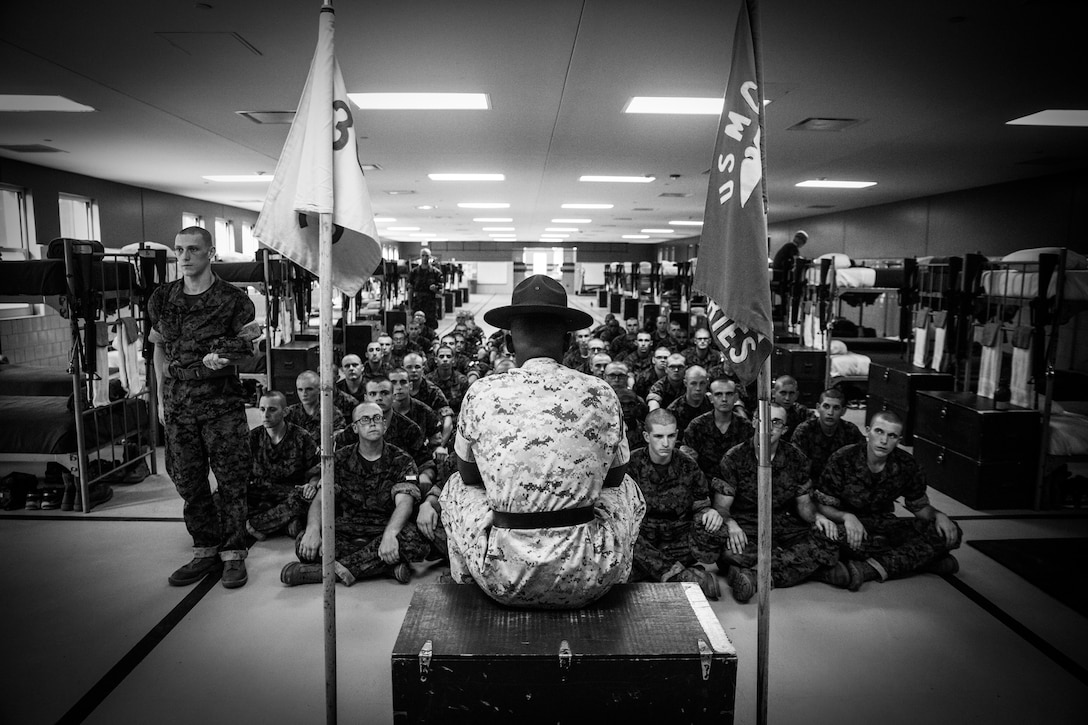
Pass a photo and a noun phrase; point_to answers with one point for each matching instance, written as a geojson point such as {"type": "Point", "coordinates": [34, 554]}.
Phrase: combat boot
{"type": "Point", "coordinates": [195, 570]}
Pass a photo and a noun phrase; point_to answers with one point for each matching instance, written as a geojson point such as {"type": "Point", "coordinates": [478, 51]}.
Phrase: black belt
{"type": "Point", "coordinates": [202, 372]}
{"type": "Point", "coordinates": [542, 519]}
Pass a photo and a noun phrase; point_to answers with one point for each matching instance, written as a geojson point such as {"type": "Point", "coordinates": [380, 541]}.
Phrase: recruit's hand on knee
{"type": "Point", "coordinates": [737, 538]}
{"type": "Point", "coordinates": [712, 520]}
{"type": "Point", "coordinates": [826, 527]}
{"type": "Point", "coordinates": [427, 519]}
{"type": "Point", "coordinates": [948, 529]}
{"type": "Point", "coordinates": [310, 546]}
{"type": "Point", "coordinates": [389, 549]}
{"type": "Point", "coordinates": [855, 532]}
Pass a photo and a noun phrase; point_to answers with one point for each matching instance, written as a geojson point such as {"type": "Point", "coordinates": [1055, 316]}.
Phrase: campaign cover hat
{"type": "Point", "coordinates": [538, 295]}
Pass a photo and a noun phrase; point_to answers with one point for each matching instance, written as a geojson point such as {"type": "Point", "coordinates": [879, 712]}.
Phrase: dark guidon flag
{"type": "Point", "coordinates": [732, 265]}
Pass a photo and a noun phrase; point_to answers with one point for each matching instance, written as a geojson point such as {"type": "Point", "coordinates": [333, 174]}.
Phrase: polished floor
{"type": "Point", "coordinates": [91, 632]}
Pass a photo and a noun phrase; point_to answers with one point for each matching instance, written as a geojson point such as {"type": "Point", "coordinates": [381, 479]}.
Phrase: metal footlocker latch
{"type": "Point", "coordinates": [564, 655]}
{"type": "Point", "coordinates": [705, 655]}
{"type": "Point", "coordinates": [425, 661]}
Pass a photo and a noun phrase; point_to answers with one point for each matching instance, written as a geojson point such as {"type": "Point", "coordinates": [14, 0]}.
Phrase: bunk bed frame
{"type": "Point", "coordinates": [46, 414]}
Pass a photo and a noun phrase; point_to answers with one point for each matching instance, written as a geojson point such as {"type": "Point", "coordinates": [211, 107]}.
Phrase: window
{"type": "Point", "coordinates": [191, 220]}
{"type": "Point", "coordinates": [15, 222]}
{"type": "Point", "coordinates": [17, 230]}
{"type": "Point", "coordinates": [249, 241]}
{"type": "Point", "coordinates": [78, 217]}
{"type": "Point", "coordinates": [224, 235]}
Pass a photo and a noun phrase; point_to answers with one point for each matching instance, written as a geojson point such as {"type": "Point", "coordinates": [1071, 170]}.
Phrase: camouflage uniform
{"type": "Point", "coordinates": [544, 438]}
{"type": "Point", "coordinates": [634, 413]}
{"type": "Point", "coordinates": [686, 413]}
{"type": "Point", "coordinates": [710, 444]}
{"type": "Point", "coordinates": [675, 494]}
{"type": "Point", "coordinates": [279, 470]}
{"type": "Point", "coordinates": [420, 280]}
{"type": "Point", "coordinates": [796, 414]}
{"type": "Point", "coordinates": [297, 415]}
{"type": "Point", "coordinates": [797, 549]}
{"type": "Point", "coordinates": [622, 345]}
{"type": "Point", "coordinates": [359, 396]}
{"type": "Point", "coordinates": [899, 545]}
{"type": "Point", "coordinates": [428, 421]}
{"type": "Point", "coordinates": [204, 410]}
{"type": "Point", "coordinates": [638, 363]}
{"type": "Point", "coordinates": [709, 359]}
{"type": "Point", "coordinates": [665, 391]}
{"type": "Point", "coordinates": [575, 360]}
{"type": "Point", "coordinates": [400, 432]}
{"type": "Point", "coordinates": [369, 373]}
{"type": "Point", "coordinates": [366, 494]}
{"type": "Point", "coordinates": [453, 387]}
{"type": "Point", "coordinates": [432, 396]}
{"type": "Point", "coordinates": [818, 446]}
{"type": "Point", "coordinates": [644, 381]}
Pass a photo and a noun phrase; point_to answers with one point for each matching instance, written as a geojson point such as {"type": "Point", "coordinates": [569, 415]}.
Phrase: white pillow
{"type": "Point", "coordinates": [839, 261]}
{"type": "Point", "coordinates": [838, 347]}
{"type": "Point", "coordinates": [1072, 259]}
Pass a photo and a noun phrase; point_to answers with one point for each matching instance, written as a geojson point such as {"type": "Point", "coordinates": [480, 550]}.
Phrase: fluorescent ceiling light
{"type": "Point", "coordinates": [483, 205]}
{"type": "Point", "coordinates": [402, 229]}
{"type": "Point", "coordinates": [466, 177]}
{"type": "Point", "coordinates": [572, 221]}
{"type": "Point", "coordinates": [635, 236]}
{"type": "Point", "coordinates": [426, 207]}
{"type": "Point", "coordinates": [587, 206]}
{"type": "Point", "coordinates": [678, 104]}
{"type": "Point", "coordinates": [17, 103]}
{"type": "Point", "coordinates": [1052, 117]}
{"type": "Point", "coordinates": [239, 178]}
{"type": "Point", "coordinates": [685, 223]}
{"type": "Point", "coordinates": [619, 179]}
{"type": "Point", "coordinates": [499, 229]}
{"type": "Point", "coordinates": [421, 101]}
{"type": "Point", "coordinates": [830, 184]}
{"type": "Point", "coordinates": [384, 219]}
{"type": "Point", "coordinates": [561, 229]}
{"type": "Point", "coordinates": [659, 231]}
{"type": "Point", "coordinates": [497, 219]}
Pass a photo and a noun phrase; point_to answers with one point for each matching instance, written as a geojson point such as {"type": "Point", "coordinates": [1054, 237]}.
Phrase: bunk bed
{"type": "Point", "coordinates": [1038, 301]}
{"type": "Point", "coordinates": [97, 416]}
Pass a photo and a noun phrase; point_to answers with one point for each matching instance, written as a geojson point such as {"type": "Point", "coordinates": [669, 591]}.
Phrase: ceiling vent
{"type": "Point", "coordinates": [820, 206]}
{"type": "Point", "coordinates": [268, 117]}
{"type": "Point", "coordinates": [825, 124]}
{"type": "Point", "coordinates": [673, 195]}
{"type": "Point", "coordinates": [31, 148]}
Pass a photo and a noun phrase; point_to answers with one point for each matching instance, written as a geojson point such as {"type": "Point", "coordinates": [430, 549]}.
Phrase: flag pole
{"type": "Point", "coordinates": [328, 507]}
{"type": "Point", "coordinates": [763, 475]}
{"type": "Point", "coordinates": [328, 512]}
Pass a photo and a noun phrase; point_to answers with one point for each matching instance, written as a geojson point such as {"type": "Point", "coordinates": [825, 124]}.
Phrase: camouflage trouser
{"type": "Point", "coordinates": [797, 550]}
{"type": "Point", "coordinates": [900, 545]}
{"type": "Point", "coordinates": [195, 440]}
{"type": "Point", "coordinates": [272, 508]}
{"type": "Point", "coordinates": [661, 544]}
{"type": "Point", "coordinates": [357, 551]}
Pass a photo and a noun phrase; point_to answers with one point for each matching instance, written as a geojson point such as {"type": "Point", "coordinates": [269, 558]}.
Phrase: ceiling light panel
{"type": "Point", "coordinates": [56, 104]}
{"type": "Point", "coordinates": [466, 177]}
{"type": "Point", "coordinates": [619, 179]}
{"type": "Point", "coordinates": [421, 101]}
{"type": "Point", "coordinates": [685, 223]}
{"type": "Point", "coordinates": [1052, 117]}
{"type": "Point", "coordinates": [832, 184]}
{"type": "Point", "coordinates": [572, 221]}
{"type": "Point", "coordinates": [687, 106]}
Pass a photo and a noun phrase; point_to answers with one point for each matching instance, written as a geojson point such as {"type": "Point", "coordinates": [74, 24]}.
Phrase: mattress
{"type": "Point", "coordinates": [861, 277]}
{"type": "Point", "coordinates": [1025, 285]}
{"type": "Point", "coordinates": [30, 381]}
{"type": "Point", "coordinates": [850, 365]}
{"type": "Point", "coordinates": [41, 277]}
{"type": "Point", "coordinates": [45, 425]}
{"type": "Point", "coordinates": [1068, 435]}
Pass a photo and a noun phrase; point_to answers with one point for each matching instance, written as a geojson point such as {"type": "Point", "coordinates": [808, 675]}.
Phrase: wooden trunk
{"type": "Point", "coordinates": [893, 387]}
{"type": "Point", "coordinates": [980, 485]}
{"type": "Point", "coordinates": [644, 652]}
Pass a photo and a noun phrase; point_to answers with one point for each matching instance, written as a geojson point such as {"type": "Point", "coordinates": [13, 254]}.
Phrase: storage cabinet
{"type": "Point", "coordinates": [979, 454]}
{"type": "Point", "coordinates": [288, 361]}
{"type": "Point", "coordinates": [808, 365]}
{"type": "Point", "coordinates": [893, 387]}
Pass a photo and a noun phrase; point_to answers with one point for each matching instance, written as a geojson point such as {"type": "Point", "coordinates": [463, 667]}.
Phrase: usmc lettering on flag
{"type": "Point", "coordinates": [751, 167]}
{"type": "Point", "coordinates": [745, 348]}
